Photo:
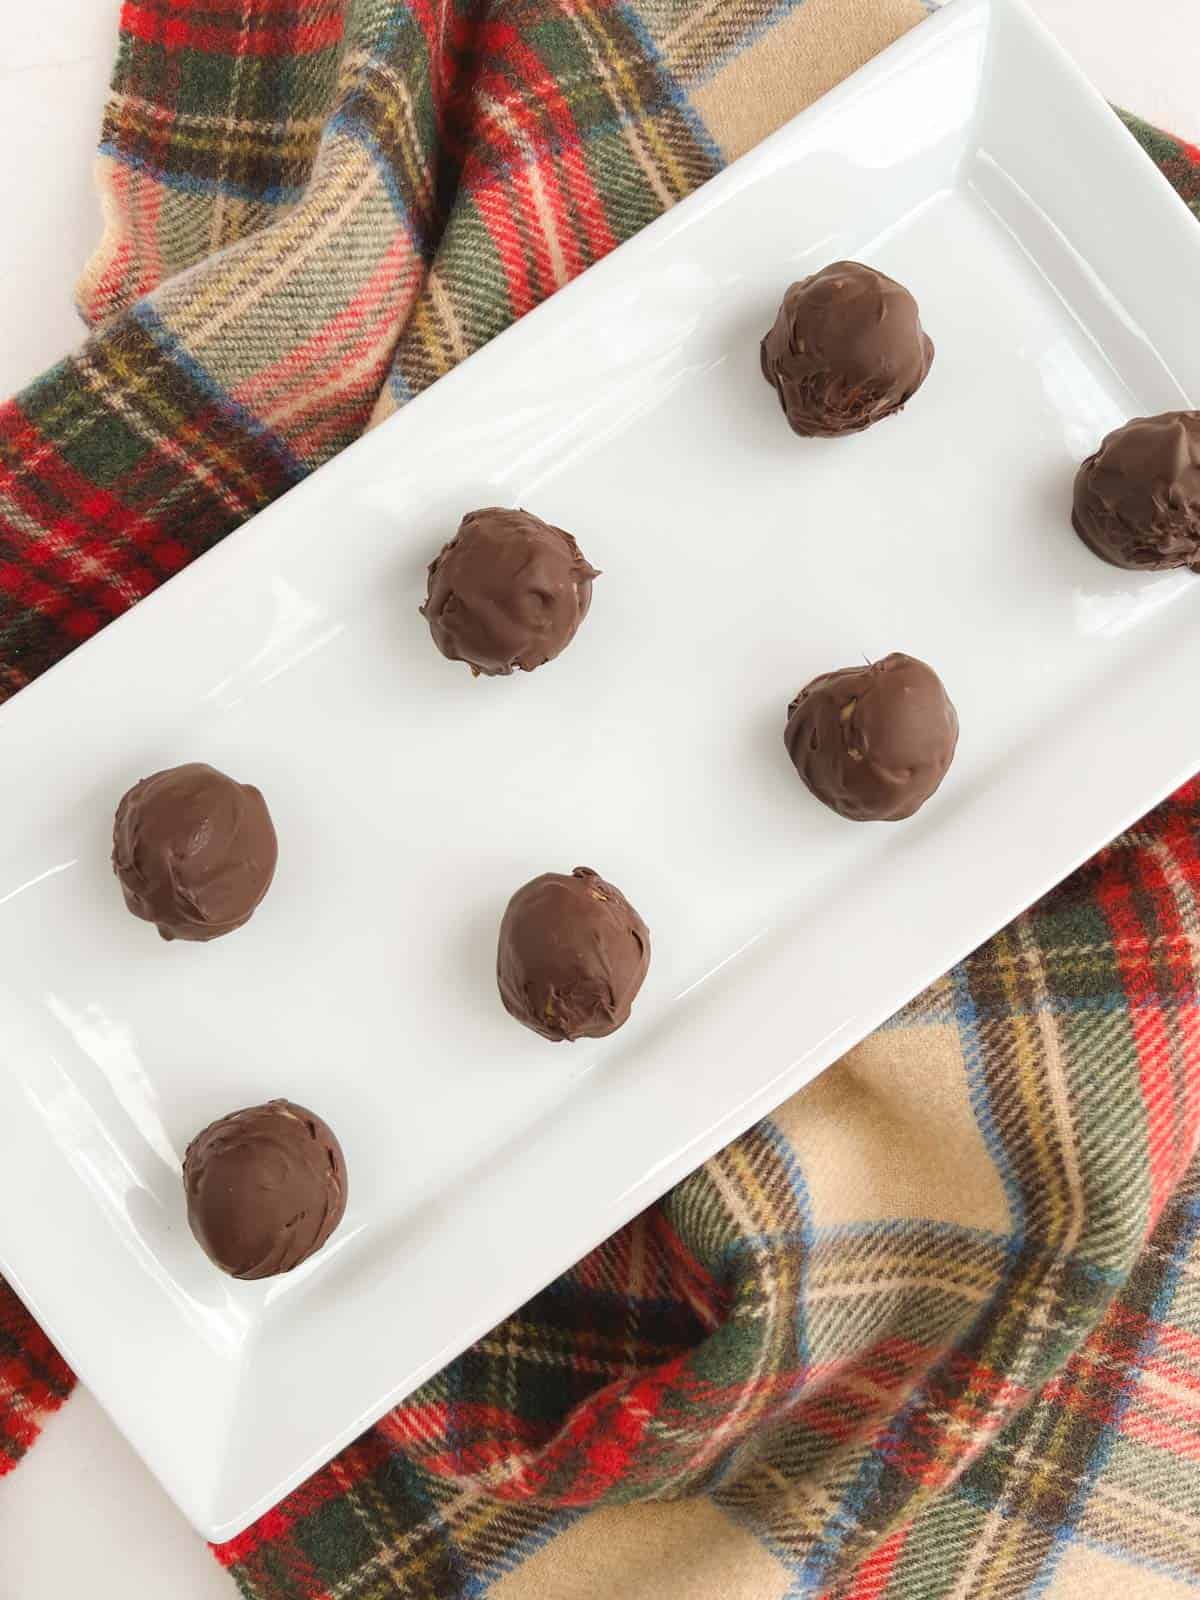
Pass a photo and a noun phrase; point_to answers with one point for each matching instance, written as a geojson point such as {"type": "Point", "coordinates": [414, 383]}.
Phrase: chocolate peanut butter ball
{"type": "Point", "coordinates": [509, 591]}
{"type": "Point", "coordinates": [572, 956]}
{"type": "Point", "coordinates": [846, 350]}
{"type": "Point", "coordinates": [265, 1188]}
{"type": "Point", "coordinates": [194, 852]}
{"type": "Point", "coordinates": [873, 742]}
{"type": "Point", "coordinates": [1137, 500]}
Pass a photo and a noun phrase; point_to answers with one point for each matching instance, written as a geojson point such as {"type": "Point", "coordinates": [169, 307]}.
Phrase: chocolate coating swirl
{"type": "Point", "coordinates": [265, 1188]}
{"type": "Point", "coordinates": [1137, 499]}
{"type": "Point", "coordinates": [846, 350]}
{"type": "Point", "coordinates": [873, 742]}
{"type": "Point", "coordinates": [194, 852]}
{"type": "Point", "coordinates": [572, 956]}
{"type": "Point", "coordinates": [508, 592]}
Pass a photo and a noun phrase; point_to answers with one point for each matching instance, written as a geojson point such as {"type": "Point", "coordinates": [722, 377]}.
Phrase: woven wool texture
{"type": "Point", "coordinates": [932, 1329]}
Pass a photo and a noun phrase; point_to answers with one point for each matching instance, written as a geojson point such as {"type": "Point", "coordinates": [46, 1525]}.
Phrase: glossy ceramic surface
{"type": "Point", "coordinates": [410, 800]}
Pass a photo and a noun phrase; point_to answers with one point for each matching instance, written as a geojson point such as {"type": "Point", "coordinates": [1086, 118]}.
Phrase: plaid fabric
{"type": "Point", "coordinates": [928, 1331]}
{"type": "Point", "coordinates": [34, 1379]}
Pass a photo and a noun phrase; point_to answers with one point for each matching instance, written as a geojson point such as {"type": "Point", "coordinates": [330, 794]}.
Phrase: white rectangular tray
{"type": "Point", "coordinates": [1060, 280]}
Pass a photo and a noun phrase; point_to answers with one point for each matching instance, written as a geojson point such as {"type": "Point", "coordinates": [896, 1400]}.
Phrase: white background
{"type": "Point", "coordinates": [82, 1515]}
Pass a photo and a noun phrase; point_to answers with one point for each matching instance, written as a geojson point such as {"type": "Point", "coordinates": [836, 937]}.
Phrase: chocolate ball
{"type": "Point", "coordinates": [194, 852]}
{"type": "Point", "coordinates": [572, 956]}
{"type": "Point", "coordinates": [847, 349]}
{"type": "Point", "coordinates": [265, 1188]}
{"type": "Point", "coordinates": [873, 742]}
{"type": "Point", "coordinates": [1137, 500]}
{"type": "Point", "coordinates": [508, 591]}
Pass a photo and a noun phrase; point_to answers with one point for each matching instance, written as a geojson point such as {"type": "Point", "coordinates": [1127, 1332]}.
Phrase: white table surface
{"type": "Point", "coordinates": [82, 1515]}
